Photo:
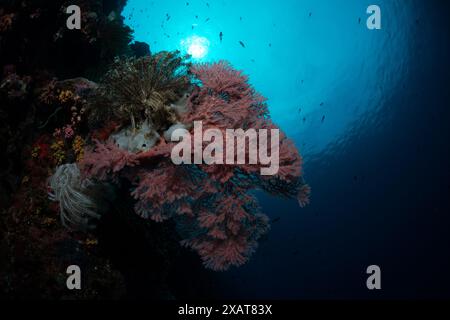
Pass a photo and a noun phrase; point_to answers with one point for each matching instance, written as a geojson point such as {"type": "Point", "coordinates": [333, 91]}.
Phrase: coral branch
{"type": "Point", "coordinates": [106, 160]}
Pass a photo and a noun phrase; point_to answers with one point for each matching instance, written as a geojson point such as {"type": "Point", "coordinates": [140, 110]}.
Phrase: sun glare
{"type": "Point", "coordinates": [197, 47]}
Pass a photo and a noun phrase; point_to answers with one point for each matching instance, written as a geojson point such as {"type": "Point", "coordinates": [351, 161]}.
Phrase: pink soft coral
{"type": "Point", "coordinates": [225, 99]}
{"type": "Point", "coordinates": [162, 191]}
{"type": "Point", "coordinates": [106, 160]}
{"type": "Point", "coordinates": [211, 205]}
{"type": "Point", "coordinates": [231, 231]}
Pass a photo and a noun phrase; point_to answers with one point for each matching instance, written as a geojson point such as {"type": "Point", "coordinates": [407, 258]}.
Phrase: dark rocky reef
{"type": "Point", "coordinates": [35, 39]}
{"type": "Point", "coordinates": [47, 75]}
{"type": "Point", "coordinates": [35, 49]}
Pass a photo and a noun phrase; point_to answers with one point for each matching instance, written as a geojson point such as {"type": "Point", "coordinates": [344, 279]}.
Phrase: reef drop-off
{"type": "Point", "coordinates": [92, 113]}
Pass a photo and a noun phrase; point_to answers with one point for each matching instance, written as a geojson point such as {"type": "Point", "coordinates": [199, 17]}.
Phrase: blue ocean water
{"type": "Point", "coordinates": [368, 110]}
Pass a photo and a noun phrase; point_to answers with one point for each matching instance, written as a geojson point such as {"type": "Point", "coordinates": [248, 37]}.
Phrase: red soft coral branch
{"type": "Point", "coordinates": [303, 196]}
{"type": "Point", "coordinates": [106, 160]}
{"type": "Point", "coordinates": [219, 255]}
{"type": "Point", "coordinates": [165, 187]}
{"type": "Point", "coordinates": [211, 204]}
{"type": "Point", "coordinates": [222, 77]}
{"type": "Point", "coordinates": [225, 99]}
{"type": "Point", "coordinates": [232, 232]}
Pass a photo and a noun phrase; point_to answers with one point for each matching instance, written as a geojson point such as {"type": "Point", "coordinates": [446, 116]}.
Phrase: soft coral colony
{"type": "Point", "coordinates": [131, 115]}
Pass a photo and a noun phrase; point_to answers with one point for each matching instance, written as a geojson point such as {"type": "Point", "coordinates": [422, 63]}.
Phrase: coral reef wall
{"type": "Point", "coordinates": [86, 120]}
{"type": "Point", "coordinates": [35, 50]}
{"type": "Point", "coordinates": [37, 55]}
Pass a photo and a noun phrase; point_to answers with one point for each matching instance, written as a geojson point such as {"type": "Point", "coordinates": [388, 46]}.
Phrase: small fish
{"type": "Point", "coordinates": [187, 3]}
{"type": "Point", "coordinates": [359, 21]}
{"type": "Point", "coordinates": [207, 19]}
{"type": "Point", "coordinates": [167, 17]}
{"type": "Point", "coordinates": [240, 18]}
{"type": "Point", "coordinates": [270, 45]}
{"type": "Point", "coordinates": [304, 119]}
{"type": "Point", "coordinates": [275, 220]}
{"type": "Point", "coordinates": [253, 60]}
{"type": "Point", "coordinates": [207, 4]}
{"type": "Point", "coordinates": [299, 110]}
{"type": "Point", "coordinates": [323, 119]}
{"type": "Point", "coordinates": [242, 44]}
{"type": "Point", "coordinates": [221, 36]}
{"type": "Point", "coordinates": [196, 17]}
{"type": "Point", "coordinates": [310, 14]}
{"type": "Point", "coordinates": [321, 104]}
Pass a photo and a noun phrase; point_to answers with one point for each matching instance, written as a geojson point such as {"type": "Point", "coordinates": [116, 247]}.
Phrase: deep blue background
{"type": "Point", "coordinates": [379, 162]}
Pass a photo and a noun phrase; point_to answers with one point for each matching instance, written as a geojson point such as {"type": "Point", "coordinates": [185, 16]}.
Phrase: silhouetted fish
{"type": "Point", "coordinates": [321, 104]}
{"type": "Point", "coordinates": [242, 44]}
{"type": "Point", "coordinates": [323, 119]}
{"type": "Point", "coordinates": [167, 17]}
{"type": "Point", "coordinates": [275, 220]}
{"type": "Point", "coordinates": [221, 36]}
{"type": "Point", "coordinates": [207, 19]}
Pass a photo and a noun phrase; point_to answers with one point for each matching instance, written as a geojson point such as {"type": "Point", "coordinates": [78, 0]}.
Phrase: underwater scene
{"type": "Point", "coordinates": [208, 150]}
